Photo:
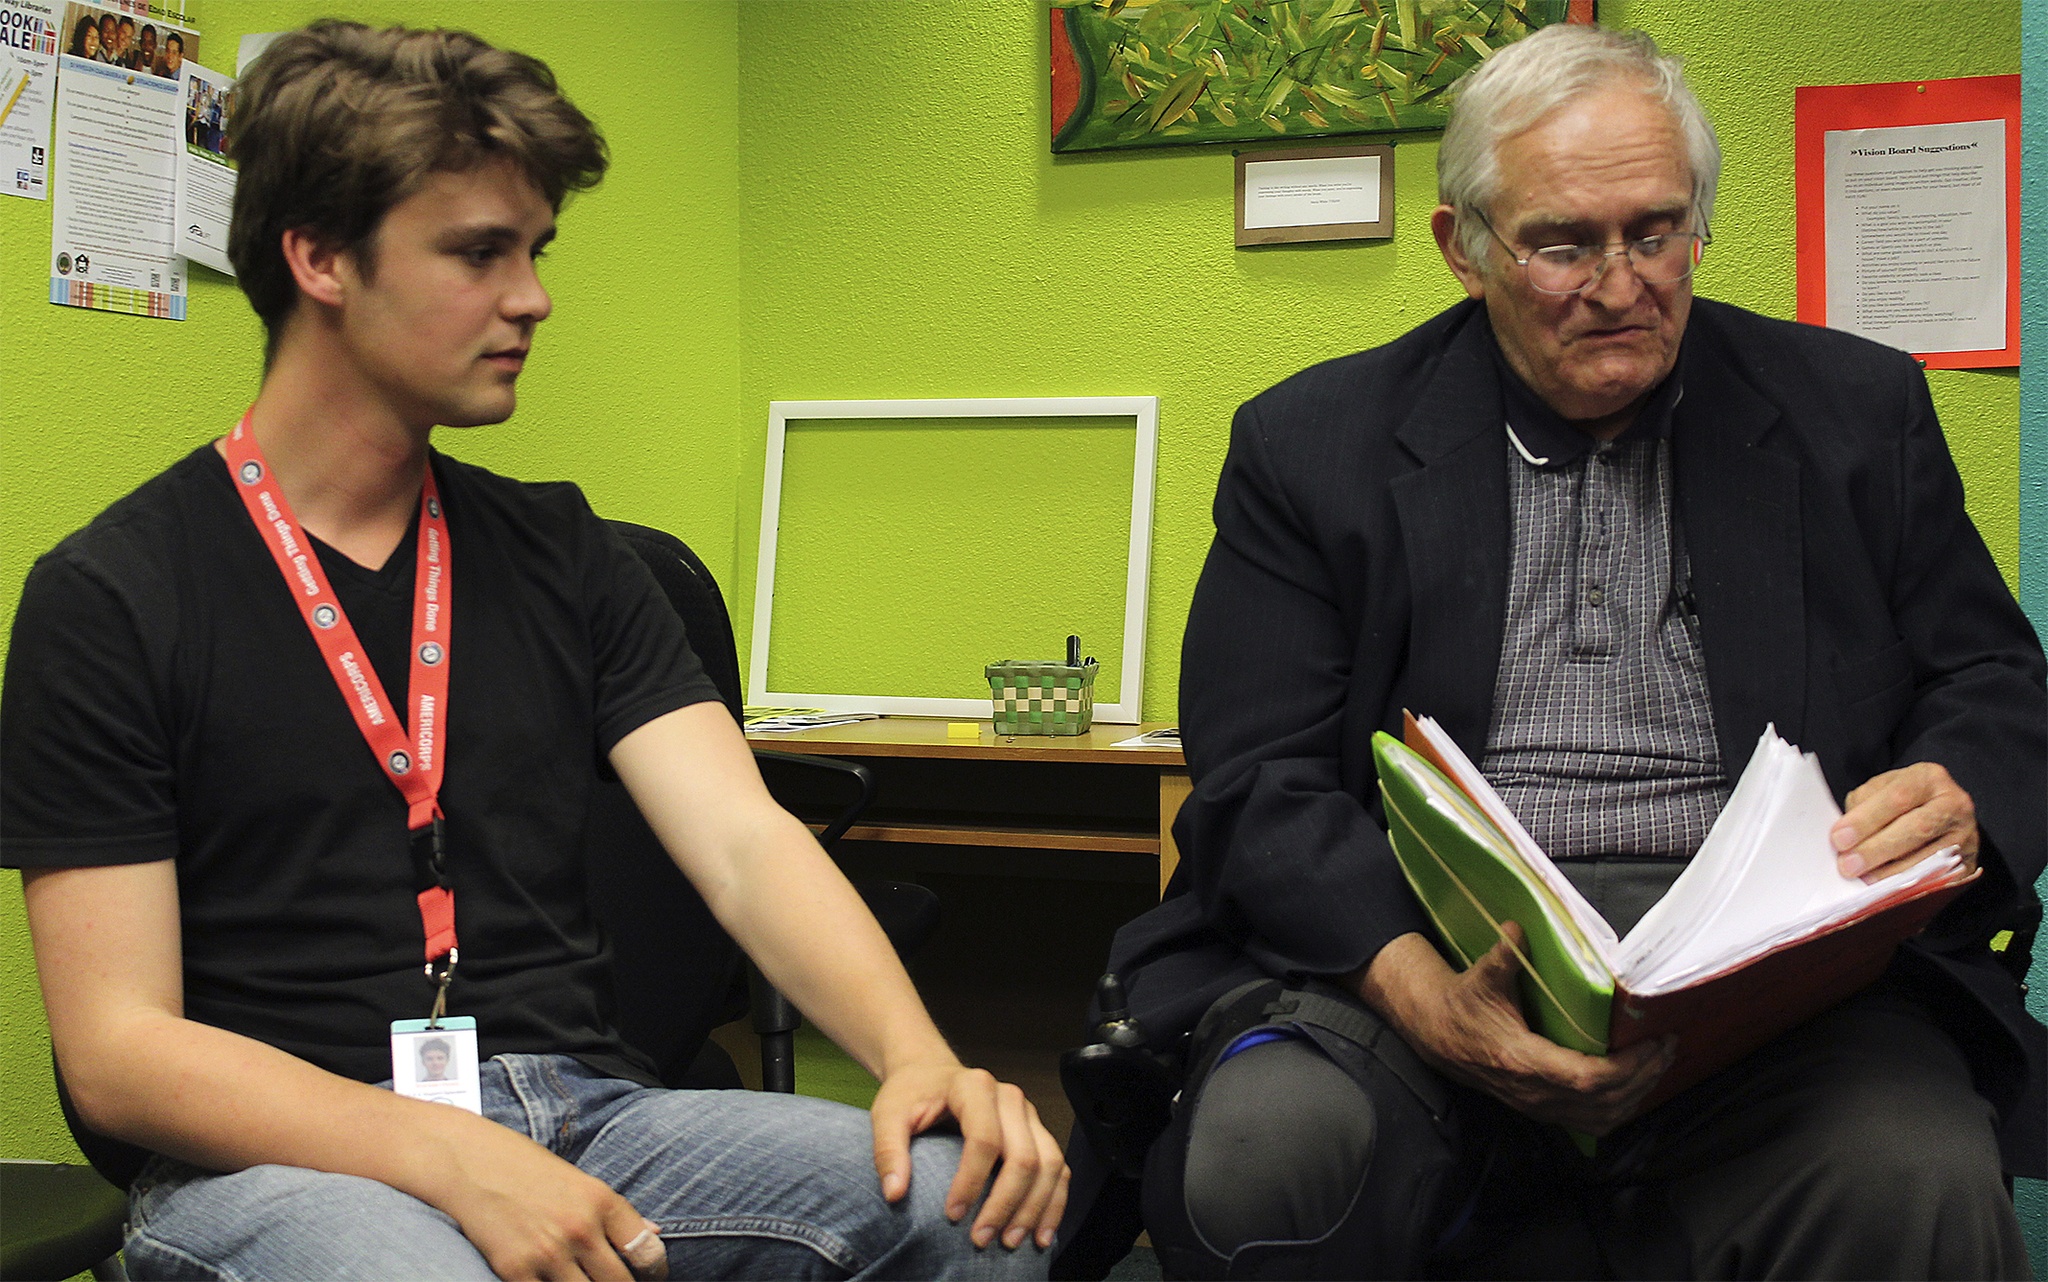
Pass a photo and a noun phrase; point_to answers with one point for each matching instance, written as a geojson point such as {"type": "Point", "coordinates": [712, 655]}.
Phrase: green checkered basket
{"type": "Point", "coordinates": [1042, 698]}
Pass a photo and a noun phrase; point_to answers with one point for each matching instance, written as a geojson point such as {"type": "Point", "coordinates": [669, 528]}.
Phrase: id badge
{"type": "Point", "coordinates": [437, 1062]}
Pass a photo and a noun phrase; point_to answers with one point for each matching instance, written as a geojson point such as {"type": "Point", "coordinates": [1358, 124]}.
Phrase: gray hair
{"type": "Point", "coordinates": [1514, 89]}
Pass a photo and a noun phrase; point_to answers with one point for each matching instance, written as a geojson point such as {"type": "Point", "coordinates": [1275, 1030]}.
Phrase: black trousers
{"type": "Point", "coordinates": [1851, 1147]}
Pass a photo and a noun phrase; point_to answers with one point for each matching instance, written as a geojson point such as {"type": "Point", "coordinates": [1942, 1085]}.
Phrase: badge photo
{"type": "Point", "coordinates": [436, 1062]}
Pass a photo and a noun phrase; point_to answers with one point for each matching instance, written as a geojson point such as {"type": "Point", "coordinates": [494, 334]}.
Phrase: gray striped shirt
{"type": "Point", "coordinates": [1602, 740]}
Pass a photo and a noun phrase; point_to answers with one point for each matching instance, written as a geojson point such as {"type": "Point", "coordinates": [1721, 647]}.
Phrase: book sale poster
{"type": "Point", "coordinates": [28, 74]}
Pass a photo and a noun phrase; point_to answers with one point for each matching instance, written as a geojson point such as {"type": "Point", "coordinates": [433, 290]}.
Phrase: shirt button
{"type": "Point", "coordinates": [1594, 596]}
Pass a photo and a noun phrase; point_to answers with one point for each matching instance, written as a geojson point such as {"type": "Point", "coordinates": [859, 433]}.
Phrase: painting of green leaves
{"type": "Point", "coordinates": [1148, 73]}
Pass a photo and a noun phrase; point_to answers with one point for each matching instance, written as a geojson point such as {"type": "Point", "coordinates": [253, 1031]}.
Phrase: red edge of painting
{"type": "Point", "coordinates": [1066, 74]}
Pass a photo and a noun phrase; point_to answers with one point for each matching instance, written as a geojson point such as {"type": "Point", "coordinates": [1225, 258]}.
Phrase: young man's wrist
{"type": "Point", "coordinates": [917, 1047]}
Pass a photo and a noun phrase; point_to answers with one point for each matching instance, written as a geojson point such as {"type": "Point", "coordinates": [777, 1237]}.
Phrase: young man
{"type": "Point", "coordinates": [239, 849]}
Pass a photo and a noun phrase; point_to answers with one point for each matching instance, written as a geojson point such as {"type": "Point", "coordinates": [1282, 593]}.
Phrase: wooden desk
{"type": "Point", "coordinates": [1030, 792]}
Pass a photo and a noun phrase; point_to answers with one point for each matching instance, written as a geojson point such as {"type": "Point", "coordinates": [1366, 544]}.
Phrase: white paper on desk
{"type": "Point", "coordinates": [1311, 193]}
{"type": "Point", "coordinates": [1166, 737]}
{"type": "Point", "coordinates": [1916, 243]}
{"type": "Point", "coordinates": [205, 199]}
{"type": "Point", "coordinates": [28, 34]}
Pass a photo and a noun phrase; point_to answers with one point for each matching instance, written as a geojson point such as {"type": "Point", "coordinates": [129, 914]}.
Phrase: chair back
{"type": "Point", "coordinates": [696, 598]}
{"type": "Point", "coordinates": [676, 974]}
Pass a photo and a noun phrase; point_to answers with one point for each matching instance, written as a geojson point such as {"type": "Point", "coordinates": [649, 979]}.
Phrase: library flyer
{"type": "Point", "coordinates": [119, 121]}
{"type": "Point", "coordinates": [28, 41]}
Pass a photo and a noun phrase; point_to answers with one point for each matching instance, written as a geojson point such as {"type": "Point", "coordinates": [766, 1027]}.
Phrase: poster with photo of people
{"type": "Point", "coordinates": [129, 37]}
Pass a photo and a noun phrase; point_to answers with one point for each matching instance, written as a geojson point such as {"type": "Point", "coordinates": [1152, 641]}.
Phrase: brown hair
{"type": "Point", "coordinates": [337, 122]}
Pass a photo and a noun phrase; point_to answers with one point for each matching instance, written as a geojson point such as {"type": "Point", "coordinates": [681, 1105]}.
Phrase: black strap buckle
{"type": "Point", "coordinates": [430, 855]}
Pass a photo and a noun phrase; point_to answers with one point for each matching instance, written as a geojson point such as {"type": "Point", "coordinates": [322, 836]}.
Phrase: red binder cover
{"type": "Point", "coordinates": [1721, 1018]}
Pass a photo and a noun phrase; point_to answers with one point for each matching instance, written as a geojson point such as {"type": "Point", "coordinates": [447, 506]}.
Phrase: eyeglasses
{"type": "Point", "coordinates": [1663, 259]}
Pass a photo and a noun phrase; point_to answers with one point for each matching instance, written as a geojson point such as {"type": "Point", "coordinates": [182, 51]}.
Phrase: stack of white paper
{"type": "Point", "coordinates": [1765, 875]}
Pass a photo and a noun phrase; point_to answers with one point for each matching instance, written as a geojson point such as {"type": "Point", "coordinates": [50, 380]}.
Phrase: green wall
{"type": "Point", "coordinates": [817, 199]}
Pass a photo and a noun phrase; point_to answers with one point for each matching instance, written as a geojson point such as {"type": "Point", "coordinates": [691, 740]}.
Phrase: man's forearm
{"type": "Point", "coordinates": [224, 1102]}
{"type": "Point", "coordinates": [773, 888]}
{"type": "Point", "coordinates": [814, 938]}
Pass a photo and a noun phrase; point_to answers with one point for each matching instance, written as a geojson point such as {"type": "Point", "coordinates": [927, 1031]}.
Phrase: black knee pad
{"type": "Point", "coordinates": [1312, 1156]}
{"type": "Point", "coordinates": [1277, 1149]}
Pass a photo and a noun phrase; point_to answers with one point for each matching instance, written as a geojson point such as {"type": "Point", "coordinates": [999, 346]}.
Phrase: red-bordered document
{"type": "Point", "coordinates": [1909, 215]}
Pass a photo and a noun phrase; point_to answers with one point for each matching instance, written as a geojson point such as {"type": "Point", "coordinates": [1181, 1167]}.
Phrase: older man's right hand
{"type": "Point", "coordinates": [1469, 1026]}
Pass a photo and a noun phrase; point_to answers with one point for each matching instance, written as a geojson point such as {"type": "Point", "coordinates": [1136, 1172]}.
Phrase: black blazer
{"type": "Point", "coordinates": [1360, 567]}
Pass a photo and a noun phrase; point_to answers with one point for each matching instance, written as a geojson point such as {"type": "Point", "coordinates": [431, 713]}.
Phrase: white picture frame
{"type": "Point", "coordinates": [1138, 568]}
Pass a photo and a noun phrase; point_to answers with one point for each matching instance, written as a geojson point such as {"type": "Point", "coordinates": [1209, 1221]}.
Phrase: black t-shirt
{"type": "Point", "coordinates": [164, 700]}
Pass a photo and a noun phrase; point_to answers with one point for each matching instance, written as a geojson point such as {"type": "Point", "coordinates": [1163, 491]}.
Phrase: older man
{"type": "Point", "coordinates": [1604, 533]}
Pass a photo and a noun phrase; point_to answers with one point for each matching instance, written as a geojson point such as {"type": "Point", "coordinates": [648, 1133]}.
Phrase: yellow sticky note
{"type": "Point", "coordinates": [963, 730]}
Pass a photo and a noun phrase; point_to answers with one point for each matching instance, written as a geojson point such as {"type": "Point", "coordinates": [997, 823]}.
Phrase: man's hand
{"type": "Point", "coordinates": [533, 1215]}
{"type": "Point", "coordinates": [998, 1128]}
{"type": "Point", "coordinates": [1469, 1027]}
{"type": "Point", "coordinates": [1900, 818]}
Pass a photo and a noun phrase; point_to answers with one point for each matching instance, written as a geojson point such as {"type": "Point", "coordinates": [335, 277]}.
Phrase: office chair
{"type": "Point", "coordinates": [58, 1220]}
{"type": "Point", "coordinates": [676, 972]}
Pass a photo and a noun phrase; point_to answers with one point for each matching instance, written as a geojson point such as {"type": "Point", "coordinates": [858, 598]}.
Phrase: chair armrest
{"type": "Point", "coordinates": [858, 774]}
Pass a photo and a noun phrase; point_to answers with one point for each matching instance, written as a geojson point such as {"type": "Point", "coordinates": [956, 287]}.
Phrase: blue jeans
{"type": "Point", "coordinates": [743, 1184]}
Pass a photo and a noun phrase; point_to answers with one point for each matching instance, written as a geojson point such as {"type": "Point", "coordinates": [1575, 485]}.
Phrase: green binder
{"type": "Point", "coordinates": [1469, 878]}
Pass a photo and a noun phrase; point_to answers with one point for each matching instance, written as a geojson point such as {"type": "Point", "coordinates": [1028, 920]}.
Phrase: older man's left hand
{"type": "Point", "coordinates": [1902, 816]}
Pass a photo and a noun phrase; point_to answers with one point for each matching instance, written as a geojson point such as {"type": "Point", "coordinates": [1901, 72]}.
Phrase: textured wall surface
{"type": "Point", "coordinates": [884, 581]}
{"type": "Point", "coordinates": [630, 392]}
{"type": "Point", "coordinates": [909, 234]}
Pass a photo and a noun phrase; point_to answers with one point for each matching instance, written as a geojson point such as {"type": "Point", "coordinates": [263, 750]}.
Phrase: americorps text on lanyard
{"type": "Point", "coordinates": [412, 763]}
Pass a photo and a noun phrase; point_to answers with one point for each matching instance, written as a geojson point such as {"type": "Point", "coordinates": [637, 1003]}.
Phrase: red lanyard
{"type": "Point", "coordinates": [413, 765]}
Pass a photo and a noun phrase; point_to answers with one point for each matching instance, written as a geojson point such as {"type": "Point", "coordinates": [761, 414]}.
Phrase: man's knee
{"type": "Point", "coordinates": [1920, 1175]}
{"type": "Point", "coordinates": [1902, 1127]}
{"type": "Point", "coordinates": [1278, 1147]}
{"type": "Point", "coordinates": [786, 1186]}
{"type": "Point", "coordinates": [1285, 1164]}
